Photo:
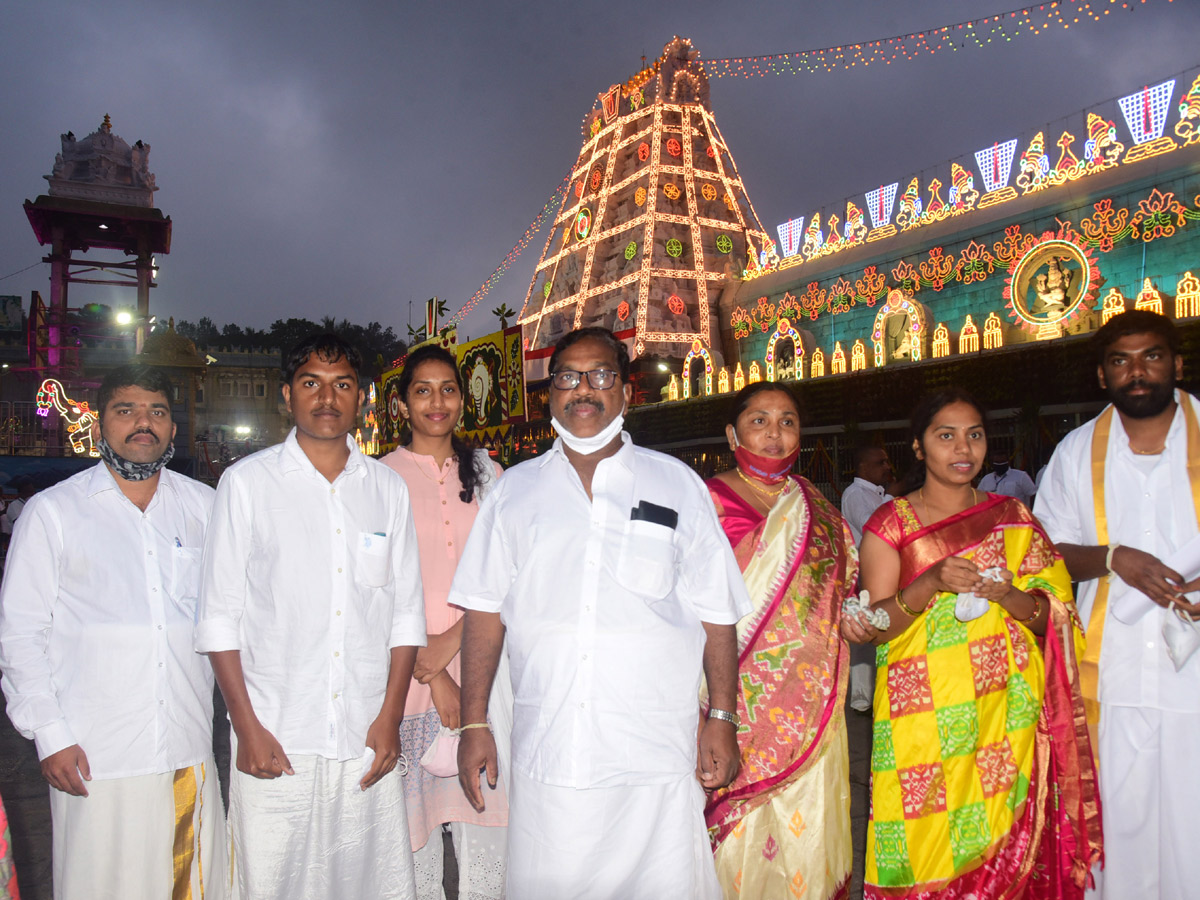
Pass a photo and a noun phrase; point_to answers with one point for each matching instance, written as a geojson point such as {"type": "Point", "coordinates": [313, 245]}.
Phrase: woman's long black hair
{"type": "Point", "coordinates": [468, 474]}
{"type": "Point", "coordinates": [921, 418]}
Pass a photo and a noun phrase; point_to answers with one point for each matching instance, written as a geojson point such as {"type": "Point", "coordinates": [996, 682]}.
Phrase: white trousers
{"type": "Point", "coordinates": [148, 837]}
{"type": "Point", "coordinates": [1149, 795]}
{"type": "Point", "coordinates": [631, 842]}
{"type": "Point", "coordinates": [316, 835]}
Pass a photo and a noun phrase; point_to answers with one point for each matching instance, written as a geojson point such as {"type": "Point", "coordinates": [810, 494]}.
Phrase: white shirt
{"type": "Point", "coordinates": [1013, 483]}
{"type": "Point", "coordinates": [604, 612]}
{"type": "Point", "coordinates": [96, 617]}
{"type": "Point", "coordinates": [859, 500]}
{"type": "Point", "coordinates": [313, 582]}
{"type": "Point", "coordinates": [1149, 506]}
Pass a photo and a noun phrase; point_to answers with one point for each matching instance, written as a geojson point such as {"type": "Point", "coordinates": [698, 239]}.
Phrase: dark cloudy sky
{"type": "Point", "coordinates": [345, 159]}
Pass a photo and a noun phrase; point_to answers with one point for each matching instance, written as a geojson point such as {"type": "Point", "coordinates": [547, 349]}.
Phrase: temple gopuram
{"type": "Point", "coordinates": [990, 274]}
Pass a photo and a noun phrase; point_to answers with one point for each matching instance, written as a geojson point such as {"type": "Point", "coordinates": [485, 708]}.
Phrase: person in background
{"type": "Point", "coordinates": [1005, 480]}
{"type": "Point", "coordinates": [616, 588]}
{"type": "Point", "coordinates": [446, 481]}
{"type": "Point", "coordinates": [96, 616]}
{"type": "Point", "coordinates": [865, 494]}
{"type": "Point", "coordinates": [311, 613]}
{"type": "Point", "coordinates": [982, 777]}
{"type": "Point", "coordinates": [1120, 498]}
{"type": "Point", "coordinates": [798, 561]}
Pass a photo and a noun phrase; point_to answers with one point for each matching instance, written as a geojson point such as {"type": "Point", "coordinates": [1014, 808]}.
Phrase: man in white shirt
{"type": "Point", "coordinates": [311, 612]}
{"type": "Point", "coordinates": [1003, 479]}
{"type": "Point", "coordinates": [1119, 498]}
{"type": "Point", "coordinates": [872, 474]}
{"type": "Point", "coordinates": [96, 617]}
{"type": "Point", "coordinates": [605, 567]}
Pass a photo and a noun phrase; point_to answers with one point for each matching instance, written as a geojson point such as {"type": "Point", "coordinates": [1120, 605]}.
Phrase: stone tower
{"type": "Point", "coordinates": [655, 222]}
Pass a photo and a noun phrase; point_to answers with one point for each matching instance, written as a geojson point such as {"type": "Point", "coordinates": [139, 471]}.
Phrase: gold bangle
{"type": "Point", "coordinates": [1037, 610]}
{"type": "Point", "coordinates": [475, 725]}
{"type": "Point", "coordinates": [912, 613]}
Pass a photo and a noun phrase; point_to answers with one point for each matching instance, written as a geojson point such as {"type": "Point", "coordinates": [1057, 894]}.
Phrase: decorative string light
{"type": "Point", "coordinates": [998, 28]}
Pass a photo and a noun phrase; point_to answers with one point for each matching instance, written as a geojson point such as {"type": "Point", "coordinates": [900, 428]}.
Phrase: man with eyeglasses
{"type": "Point", "coordinates": [605, 567]}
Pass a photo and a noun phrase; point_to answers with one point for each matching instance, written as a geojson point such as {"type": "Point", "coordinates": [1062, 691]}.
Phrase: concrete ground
{"type": "Point", "coordinates": [26, 800]}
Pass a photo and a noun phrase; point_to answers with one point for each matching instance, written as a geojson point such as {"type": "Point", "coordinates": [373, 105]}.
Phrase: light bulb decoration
{"type": "Point", "coordinates": [1187, 297]}
{"type": "Point", "coordinates": [784, 331]}
{"type": "Point", "coordinates": [78, 415]}
{"type": "Point", "coordinates": [697, 352]}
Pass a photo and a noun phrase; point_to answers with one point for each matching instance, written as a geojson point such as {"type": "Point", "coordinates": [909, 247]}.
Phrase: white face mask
{"type": "Point", "coordinates": [590, 445]}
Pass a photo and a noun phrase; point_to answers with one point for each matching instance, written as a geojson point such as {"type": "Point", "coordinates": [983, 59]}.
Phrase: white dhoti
{"type": "Point", "coordinates": [148, 837]}
{"type": "Point", "coordinates": [633, 842]}
{"type": "Point", "coordinates": [1149, 795]}
{"type": "Point", "coordinates": [317, 835]}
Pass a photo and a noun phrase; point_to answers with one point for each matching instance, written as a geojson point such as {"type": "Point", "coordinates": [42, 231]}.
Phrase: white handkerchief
{"type": "Point", "coordinates": [1182, 636]}
{"type": "Point", "coordinates": [368, 761]}
{"type": "Point", "coordinates": [969, 606]}
{"type": "Point", "coordinates": [1132, 604]}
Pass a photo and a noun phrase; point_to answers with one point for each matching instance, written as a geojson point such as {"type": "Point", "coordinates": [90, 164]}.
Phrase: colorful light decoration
{"type": "Point", "coordinates": [724, 243]}
{"type": "Point", "coordinates": [583, 224]}
{"type": "Point", "coordinates": [993, 332]}
{"type": "Point", "coordinates": [968, 338]}
{"type": "Point", "coordinates": [785, 331]}
{"type": "Point", "coordinates": [899, 304]}
{"type": "Point", "coordinates": [1114, 304]}
{"type": "Point", "coordinates": [817, 369]}
{"type": "Point", "coordinates": [623, 310]}
{"type": "Point", "coordinates": [723, 380]}
{"type": "Point", "coordinates": [671, 191]}
{"type": "Point", "coordinates": [755, 375]}
{"type": "Point", "coordinates": [739, 378]}
{"type": "Point", "coordinates": [675, 304]}
{"type": "Point", "coordinates": [697, 352]}
{"type": "Point", "coordinates": [941, 341]}
{"type": "Point", "coordinates": [858, 357]}
{"type": "Point", "coordinates": [790, 233]}
{"type": "Point", "coordinates": [997, 28]}
{"type": "Point", "coordinates": [674, 147]}
{"type": "Point", "coordinates": [1187, 297]}
{"type": "Point", "coordinates": [838, 364]}
{"type": "Point", "coordinates": [708, 192]}
{"type": "Point", "coordinates": [631, 250]}
{"type": "Point", "coordinates": [880, 203]}
{"type": "Point", "coordinates": [78, 415]}
{"type": "Point", "coordinates": [1149, 298]}
{"type": "Point", "coordinates": [674, 248]}
{"type": "Point", "coordinates": [1146, 112]}
{"type": "Point", "coordinates": [1064, 291]}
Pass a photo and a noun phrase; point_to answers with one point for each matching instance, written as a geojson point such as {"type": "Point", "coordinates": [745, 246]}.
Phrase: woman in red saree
{"type": "Point", "coordinates": [982, 779]}
{"type": "Point", "coordinates": [782, 827]}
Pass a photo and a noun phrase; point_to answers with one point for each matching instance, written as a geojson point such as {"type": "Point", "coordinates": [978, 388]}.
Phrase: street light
{"type": "Point", "coordinates": [124, 317]}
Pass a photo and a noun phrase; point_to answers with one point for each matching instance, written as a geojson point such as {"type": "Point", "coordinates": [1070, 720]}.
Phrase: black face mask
{"type": "Point", "coordinates": [1000, 469]}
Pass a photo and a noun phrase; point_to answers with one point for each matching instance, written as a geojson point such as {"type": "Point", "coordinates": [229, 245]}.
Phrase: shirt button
{"type": "Point", "coordinates": [339, 570]}
{"type": "Point", "coordinates": [335, 695]}
{"type": "Point", "coordinates": [339, 612]}
{"type": "Point", "coordinates": [336, 653]}
{"type": "Point", "coordinates": [447, 521]}
{"type": "Point", "coordinates": [160, 665]}
{"type": "Point", "coordinates": [160, 628]}
{"type": "Point", "coordinates": [585, 656]}
{"type": "Point", "coordinates": [154, 590]}
{"type": "Point", "coordinates": [339, 531]}
{"type": "Point", "coordinates": [443, 503]}
{"type": "Point", "coordinates": [151, 552]}
{"type": "Point", "coordinates": [451, 543]}
{"type": "Point", "coordinates": [582, 705]}
{"type": "Point", "coordinates": [587, 609]}
{"type": "Point", "coordinates": [333, 490]}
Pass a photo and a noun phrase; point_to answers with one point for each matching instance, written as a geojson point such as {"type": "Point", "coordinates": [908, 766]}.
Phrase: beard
{"type": "Point", "coordinates": [1148, 405]}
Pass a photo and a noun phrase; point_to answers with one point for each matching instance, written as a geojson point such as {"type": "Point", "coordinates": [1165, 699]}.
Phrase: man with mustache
{"type": "Point", "coordinates": [311, 613]}
{"type": "Point", "coordinates": [605, 567]}
{"type": "Point", "coordinates": [1121, 494]}
{"type": "Point", "coordinates": [96, 617]}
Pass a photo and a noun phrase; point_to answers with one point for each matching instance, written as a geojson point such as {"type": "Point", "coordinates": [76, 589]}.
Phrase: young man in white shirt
{"type": "Point", "coordinates": [1119, 498]}
{"type": "Point", "coordinates": [1003, 479]}
{"type": "Point", "coordinates": [617, 587]}
{"type": "Point", "coordinates": [872, 474]}
{"type": "Point", "coordinates": [311, 613]}
{"type": "Point", "coordinates": [96, 617]}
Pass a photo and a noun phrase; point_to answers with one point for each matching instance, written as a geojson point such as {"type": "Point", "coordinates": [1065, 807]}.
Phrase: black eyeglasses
{"type": "Point", "coordinates": [599, 379]}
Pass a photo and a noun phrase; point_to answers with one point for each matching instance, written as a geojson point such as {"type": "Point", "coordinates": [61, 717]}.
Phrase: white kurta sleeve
{"type": "Point", "coordinates": [408, 598]}
{"type": "Point", "coordinates": [226, 561]}
{"type": "Point", "coordinates": [27, 601]}
{"type": "Point", "coordinates": [710, 581]}
{"type": "Point", "coordinates": [487, 569]}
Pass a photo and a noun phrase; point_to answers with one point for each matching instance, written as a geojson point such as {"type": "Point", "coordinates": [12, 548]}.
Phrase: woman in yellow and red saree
{"type": "Point", "coordinates": [782, 827]}
{"type": "Point", "coordinates": [983, 783]}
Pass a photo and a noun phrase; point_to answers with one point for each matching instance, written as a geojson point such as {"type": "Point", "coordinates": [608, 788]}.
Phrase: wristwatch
{"type": "Point", "coordinates": [725, 716]}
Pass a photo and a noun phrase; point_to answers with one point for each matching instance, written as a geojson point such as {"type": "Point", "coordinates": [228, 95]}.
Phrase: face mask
{"type": "Point", "coordinates": [766, 469]}
{"type": "Point", "coordinates": [590, 445]}
{"type": "Point", "coordinates": [129, 470]}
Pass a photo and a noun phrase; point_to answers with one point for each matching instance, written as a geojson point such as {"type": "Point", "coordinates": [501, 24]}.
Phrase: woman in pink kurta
{"type": "Point", "coordinates": [444, 479]}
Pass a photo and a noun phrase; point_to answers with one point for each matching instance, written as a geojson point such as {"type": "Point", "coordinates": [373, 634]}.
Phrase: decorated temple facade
{"type": "Point", "coordinates": [656, 224]}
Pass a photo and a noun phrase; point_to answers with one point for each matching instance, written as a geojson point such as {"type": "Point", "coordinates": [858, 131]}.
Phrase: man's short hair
{"type": "Point", "coordinates": [863, 452]}
{"type": "Point", "coordinates": [595, 332]}
{"type": "Point", "coordinates": [327, 347]}
{"type": "Point", "coordinates": [1136, 321]}
{"type": "Point", "coordinates": [148, 378]}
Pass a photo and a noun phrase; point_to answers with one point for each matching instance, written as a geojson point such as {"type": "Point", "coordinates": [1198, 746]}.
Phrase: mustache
{"type": "Point", "coordinates": [134, 434]}
{"type": "Point", "coordinates": [598, 405]}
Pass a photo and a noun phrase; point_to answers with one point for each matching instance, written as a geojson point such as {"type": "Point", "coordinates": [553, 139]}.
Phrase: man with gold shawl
{"type": "Point", "coordinates": [1120, 498]}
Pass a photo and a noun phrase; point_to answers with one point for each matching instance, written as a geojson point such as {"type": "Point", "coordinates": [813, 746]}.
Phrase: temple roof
{"type": "Point", "coordinates": [102, 167]}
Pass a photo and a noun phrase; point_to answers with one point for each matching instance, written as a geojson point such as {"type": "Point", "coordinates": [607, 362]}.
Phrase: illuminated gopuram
{"type": "Point", "coordinates": [656, 221]}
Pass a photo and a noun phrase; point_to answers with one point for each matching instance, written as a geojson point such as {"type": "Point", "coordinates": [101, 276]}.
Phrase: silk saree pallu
{"type": "Point", "coordinates": [782, 827]}
{"type": "Point", "coordinates": [982, 781]}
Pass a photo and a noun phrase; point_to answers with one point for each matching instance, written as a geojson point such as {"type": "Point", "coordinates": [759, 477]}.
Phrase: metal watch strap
{"type": "Point", "coordinates": [724, 716]}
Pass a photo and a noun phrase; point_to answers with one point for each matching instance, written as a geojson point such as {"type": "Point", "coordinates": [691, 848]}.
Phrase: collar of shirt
{"type": "Point", "coordinates": [871, 486]}
{"type": "Point", "coordinates": [623, 456]}
{"type": "Point", "coordinates": [1176, 434]}
{"type": "Point", "coordinates": [102, 479]}
{"type": "Point", "coordinates": [294, 459]}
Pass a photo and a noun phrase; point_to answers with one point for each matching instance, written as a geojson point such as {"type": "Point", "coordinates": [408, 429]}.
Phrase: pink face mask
{"type": "Point", "coordinates": [765, 468]}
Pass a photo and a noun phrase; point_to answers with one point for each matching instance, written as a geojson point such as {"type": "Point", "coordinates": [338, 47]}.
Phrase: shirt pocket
{"type": "Point", "coordinates": [373, 559]}
{"type": "Point", "coordinates": [185, 575]}
{"type": "Point", "coordinates": [646, 563]}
